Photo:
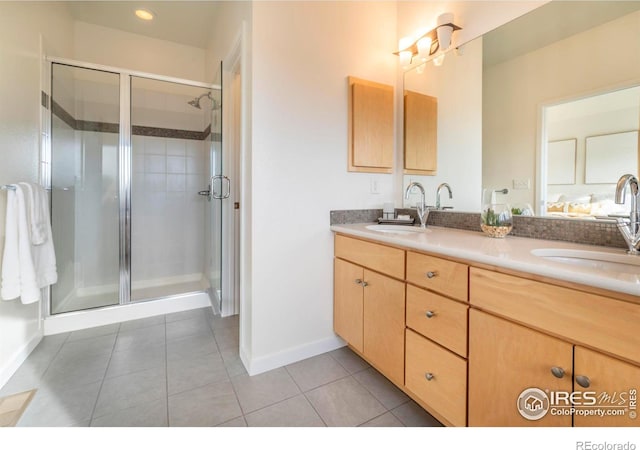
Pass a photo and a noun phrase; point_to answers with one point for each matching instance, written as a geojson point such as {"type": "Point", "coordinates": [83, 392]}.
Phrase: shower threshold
{"type": "Point", "coordinates": [78, 320]}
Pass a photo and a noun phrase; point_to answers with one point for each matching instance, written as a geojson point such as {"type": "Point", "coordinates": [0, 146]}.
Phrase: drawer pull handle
{"type": "Point", "coordinates": [583, 381]}
{"type": "Point", "coordinates": [429, 314]}
{"type": "Point", "coordinates": [432, 274]}
{"type": "Point", "coordinates": [429, 376]}
{"type": "Point", "coordinates": [557, 372]}
{"type": "Point", "coordinates": [358, 281]}
{"type": "Point", "coordinates": [365, 284]}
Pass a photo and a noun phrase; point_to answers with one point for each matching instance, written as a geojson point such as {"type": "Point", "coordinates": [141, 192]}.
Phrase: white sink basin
{"type": "Point", "coordinates": [608, 262]}
{"type": "Point", "coordinates": [396, 229]}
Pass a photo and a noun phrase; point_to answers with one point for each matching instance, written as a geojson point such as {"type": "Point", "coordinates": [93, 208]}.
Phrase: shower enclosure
{"type": "Point", "coordinates": [134, 168]}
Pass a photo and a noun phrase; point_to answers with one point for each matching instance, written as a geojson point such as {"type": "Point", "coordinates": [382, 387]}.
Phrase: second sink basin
{"type": "Point", "coordinates": [396, 229]}
{"type": "Point", "coordinates": [609, 262]}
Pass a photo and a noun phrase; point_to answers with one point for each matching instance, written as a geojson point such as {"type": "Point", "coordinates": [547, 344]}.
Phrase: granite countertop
{"type": "Point", "coordinates": [513, 253]}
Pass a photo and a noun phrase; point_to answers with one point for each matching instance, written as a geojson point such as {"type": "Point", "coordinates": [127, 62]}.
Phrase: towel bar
{"type": "Point", "coordinates": [7, 186]}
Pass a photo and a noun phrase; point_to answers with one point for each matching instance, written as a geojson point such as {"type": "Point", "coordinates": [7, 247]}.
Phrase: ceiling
{"type": "Point", "coordinates": [183, 22]}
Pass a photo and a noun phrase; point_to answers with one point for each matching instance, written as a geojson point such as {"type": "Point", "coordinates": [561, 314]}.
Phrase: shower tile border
{"type": "Point", "coordinates": [590, 232]}
{"type": "Point", "coordinates": [137, 130]}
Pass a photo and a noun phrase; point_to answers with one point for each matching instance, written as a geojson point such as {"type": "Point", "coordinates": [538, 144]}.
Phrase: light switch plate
{"type": "Point", "coordinates": [521, 183]}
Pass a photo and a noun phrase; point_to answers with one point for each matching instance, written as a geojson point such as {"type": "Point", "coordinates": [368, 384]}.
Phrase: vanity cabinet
{"type": "Point", "coordinates": [369, 307]}
{"type": "Point", "coordinates": [371, 126]}
{"type": "Point", "coordinates": [420, 344]}
{"type": "Point", "coordinates": [554, 338]}
{"type": "Point", "coordinates": [465, 340]}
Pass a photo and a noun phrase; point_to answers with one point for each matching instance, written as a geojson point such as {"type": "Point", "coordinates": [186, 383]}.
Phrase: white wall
{"type": "Point", "coordinates": [302, 55]}
{"type": "Point", "coordinates": [111, 47]}
{"type": "Point", "coordinates": [21, 24]}
{"type": "Point", "coordinates": [581, 64]}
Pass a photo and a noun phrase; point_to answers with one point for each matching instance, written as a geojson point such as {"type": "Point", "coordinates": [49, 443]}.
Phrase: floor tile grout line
{"type": "Point", "coordinates": [314, 408]}
{"type": "Point", "coordinates": [305, 395]}
{"type": "Point", "coordinates": [95, 403]}
{"type": "Point", "coordinates": [51, 360]}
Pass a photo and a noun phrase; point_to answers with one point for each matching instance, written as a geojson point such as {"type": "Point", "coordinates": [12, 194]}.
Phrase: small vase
{"type": "Point", "coordinates": [496, 220]}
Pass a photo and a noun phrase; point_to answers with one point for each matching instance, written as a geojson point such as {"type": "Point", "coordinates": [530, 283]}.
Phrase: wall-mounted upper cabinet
{"type": "Point", "coordinates": [420, 134]}
{"type": "Point", "coordinates": [370, 126]}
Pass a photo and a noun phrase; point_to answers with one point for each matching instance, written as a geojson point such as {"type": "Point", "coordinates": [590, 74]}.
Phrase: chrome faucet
{"type": "Point", "coordinates": [440, 187]}
{"type": "Point", "coordinates": [629, 227]}
{"type": "Point", "coordinates": [421, 208]}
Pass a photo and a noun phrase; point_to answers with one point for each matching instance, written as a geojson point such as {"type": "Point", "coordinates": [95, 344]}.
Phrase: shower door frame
{"type": "Point", "coordinates": [124, 161]}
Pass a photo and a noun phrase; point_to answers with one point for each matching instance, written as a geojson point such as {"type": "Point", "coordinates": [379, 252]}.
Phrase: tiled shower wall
{"type": "Point", "coordinates": [167, 212]}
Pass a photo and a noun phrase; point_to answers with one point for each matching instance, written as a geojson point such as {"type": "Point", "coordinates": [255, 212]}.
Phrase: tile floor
{"type": "Point", "coordinates": [183, 369]}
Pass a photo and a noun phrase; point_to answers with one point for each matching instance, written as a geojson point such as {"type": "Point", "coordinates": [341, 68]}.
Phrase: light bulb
{"type": "Point", "coordinates": [405, 58]}
{"type": "Point", "coordinates": [424, 47]}
{"type": "Point", "coordinates": [444, 32]}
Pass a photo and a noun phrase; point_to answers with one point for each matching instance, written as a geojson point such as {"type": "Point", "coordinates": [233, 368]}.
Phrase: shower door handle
{"type": "Point", "coordinates": [221, 195]}
{"type": "Point", "coordinates": [206, 193]}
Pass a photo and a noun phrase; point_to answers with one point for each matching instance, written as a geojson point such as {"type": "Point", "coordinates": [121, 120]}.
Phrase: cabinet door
{"type": "Point", "coordinates": [384, 324]}
{"type": "Point", "coordinates": [505, 359]}
{"type": "Point", "coordinates": [420, 133]}
{"type": "Point", "coordinates": [347, 303]}
{"type": "Point", "coordinates": [370, 126]}
{"type": "Point", "coordinates": [613, 383]}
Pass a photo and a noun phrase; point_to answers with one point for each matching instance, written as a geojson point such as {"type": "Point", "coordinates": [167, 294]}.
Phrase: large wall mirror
{"type": "Point", "coordinates": [545, 108]}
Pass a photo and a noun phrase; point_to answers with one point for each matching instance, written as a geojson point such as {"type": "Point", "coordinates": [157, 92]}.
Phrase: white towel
{"type": "Point", "coordinates": [37, 212]}
{"type": "Point", "coordinates": [30, 267]}
{"type": "Point", "coordinates": [11, 257]}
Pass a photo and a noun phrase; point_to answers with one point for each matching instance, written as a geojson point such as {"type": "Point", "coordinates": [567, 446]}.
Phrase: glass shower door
{"type": "Point", "coordinates": [218, 187]}
{"type": "Point", "coordinates": [85, 121]}
{"type": "Point", "coordinates": [171, 125]}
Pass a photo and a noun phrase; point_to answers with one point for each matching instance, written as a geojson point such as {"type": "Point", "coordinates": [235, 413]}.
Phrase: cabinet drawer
{"type": "Point", "coordinates": [446, 391]}
{"type": "Point", "coordinates": [593, 320]}
{"type": "Point", "coordinates": [438, 318]}
{"type": "Point", "coordinates": [440, 275]}
{"type": "Point", "coordinates": [380, 258]}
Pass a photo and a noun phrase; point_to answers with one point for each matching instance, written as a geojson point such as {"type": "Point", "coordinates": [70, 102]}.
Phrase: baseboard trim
{"type": "Point", "coordinates": [79, 320]}
{"type": "Point", "coordinates": [19, 357]}
{"type": "Point", "coordinates": [291, 355]}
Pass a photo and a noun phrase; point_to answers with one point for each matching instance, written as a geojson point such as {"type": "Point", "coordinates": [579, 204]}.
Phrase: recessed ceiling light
{"type": "Point", "coordinates": [144, 14]}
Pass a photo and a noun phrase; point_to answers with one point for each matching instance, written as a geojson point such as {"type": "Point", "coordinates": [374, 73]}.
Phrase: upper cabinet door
{"type": "Point", "coordinates": [370, 126]}
{"type": "Point", "coordinates": [420, 134]}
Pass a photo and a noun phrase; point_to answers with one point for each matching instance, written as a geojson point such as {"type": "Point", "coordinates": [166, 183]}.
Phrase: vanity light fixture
{"type": "Point", "coordinates": [144, 14]}
{"type": "Point", "coordinates": [429, 43]}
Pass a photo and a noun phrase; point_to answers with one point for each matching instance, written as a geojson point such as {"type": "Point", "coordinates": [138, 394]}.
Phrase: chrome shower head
{"type": "Point", "coordinates": [196, 101]}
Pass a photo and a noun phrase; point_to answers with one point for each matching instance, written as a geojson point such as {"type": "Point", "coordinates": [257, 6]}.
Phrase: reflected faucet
{"type": "Point", "coordinates": [442, 185]}
{"type": "Point", "coordinates": [421, 208]}
{"type": "Point", "coordinates": [629, 227]}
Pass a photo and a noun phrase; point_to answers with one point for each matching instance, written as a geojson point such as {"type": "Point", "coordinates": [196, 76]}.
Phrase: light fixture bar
{"type": "Point", "coordinates": [433, 34]}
